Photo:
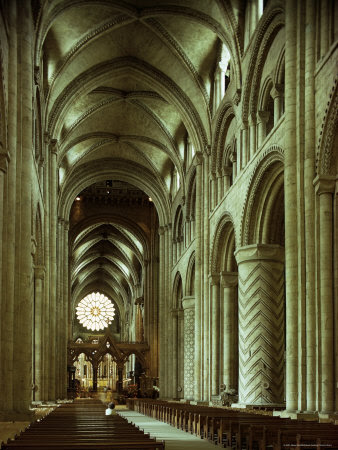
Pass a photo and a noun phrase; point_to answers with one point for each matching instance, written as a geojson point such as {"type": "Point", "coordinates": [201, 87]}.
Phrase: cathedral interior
{"type": "Point", "coordinates": [168, 202]}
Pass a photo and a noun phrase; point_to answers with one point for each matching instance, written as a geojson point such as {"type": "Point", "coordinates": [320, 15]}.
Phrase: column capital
{"type": "Point", "coordinates": [263, 116]}
{"type": "Point", "coordinates": [66, 225]}
{"type": "Point", "coordinates": [53, 146]}
{"type": "Point", "coordinates": [252, 119]}
{"type": "Point", "coordinates": [4, 160]}
{"type": "Point", "coordinates": [188, 302]}
{"type": "Point", "coordinates": [161, 230]}
{"type": "Point", "coordinates": [325, 184]}
{"type": "Point", "coordinates": [229, 279]}
{"type": "Point", "coordinates": [167, 226]}
{"type": "Point", "coordinates": [198, 159]}
{"type": "Point", "coordinates": [277, 91]}
{"type": "Point", "coordinates": [39, 272]}
{"type": "Point", "coordinates": [61, 220]}
{"type": "Point", "coordinates": [213, 279]}
{"type": "Point", "coordinates": [254, 252]}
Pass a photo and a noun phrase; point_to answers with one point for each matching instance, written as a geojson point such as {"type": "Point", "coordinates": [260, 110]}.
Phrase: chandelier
{"type": "Point", "coordinates": [95, 311]}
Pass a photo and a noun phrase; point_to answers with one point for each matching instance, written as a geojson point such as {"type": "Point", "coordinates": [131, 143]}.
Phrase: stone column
{"type": "Point", "coordinates": [325, 187]}
{"type": "Point", "coordinates": [162, 312]}
{"type": "Point", "coordinates": [291, 214]}
{"type": "Point", "coordinates": [215, 334]}
{"type": "Point", "coordinates": [252, 135]}
{"type": "Point", "coordinates": [325, 6]}
{"type": "Point", "coordinates": [4, 158]}
{"type": "Point", "coordinates": [65, 310]}
{"type": "Point", "coordinates": [7, 293]}
{"type": "Point", "coordinates": [227, 178]}
{"type": "Point", "coordinates": [309, 204]}
{"type": "Point", "coordinates": [188, 304]}
{"type": "Point", "coordinates": [244, 145]}
{"type": "Point", "coordinates": [205, 289]}
{"type": "Point", "coordinates": [39, 276]}
{"type": "Point", "coordinates": [53, 268]}
{"type": "Point", "coordinates": [23, 299]}
{"type": "Point", "coordinates": [261, 324]}
{"type": "Point", "coordinates": [263, 117]}
{"type": "Point", "coordinates": [198, 278]}
{"type": "Point", "coordinates": [229, 282]}
{"type": "Point", "coordinates": [95, 366]}
{"type": "Point", "coordinates": [220, 187]}
{"type": "Point", "coordinates": [277, 94]}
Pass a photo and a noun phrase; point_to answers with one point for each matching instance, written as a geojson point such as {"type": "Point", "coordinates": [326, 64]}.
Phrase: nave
{"type": "Point", "coordinates": [158, 425]}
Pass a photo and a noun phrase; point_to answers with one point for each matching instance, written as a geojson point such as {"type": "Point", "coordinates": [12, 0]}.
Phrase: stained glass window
{"type": "Point", "coordinates": [95, 311]}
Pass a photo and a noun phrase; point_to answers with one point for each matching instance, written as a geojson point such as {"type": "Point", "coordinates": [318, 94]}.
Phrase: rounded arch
{"type": "Point", "coordinates": [86, 175]}
{"type": "Point", "coordinates": [263, 213]}
{"type": "Point", "coordinates": [224, 244]}
{"type": "Point", "coordinates": [224, 118]}
{"type": "Point", "coordinates": [190, 277]}
{"type": "Point", "coordinates": [267, 29]}
{"type": "Point", "coordinates": [327, 161]}
{"type": "Point", "coordinates": [177, 292]}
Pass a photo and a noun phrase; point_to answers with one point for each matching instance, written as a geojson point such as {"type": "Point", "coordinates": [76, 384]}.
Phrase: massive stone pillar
{"type": "Point", "coordinates": [205, 236]}
{"type": "Point", "coordinates": [261, 323]}
{"type": "Point", "coordinates": [325, 187]}
{"type": "Point", "coordinates": [229, 282]}
{"type": "Point", "coordinates": [188, 304]}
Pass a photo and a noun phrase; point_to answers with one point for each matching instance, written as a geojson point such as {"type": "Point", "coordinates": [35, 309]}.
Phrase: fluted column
{"type": "Point", "coordinates": [261, 323]}
{"type": "Point", "coordinates": [188, 304]}
{"type": "Point", "coordinates": [39, 277]}
{"type": "Point", "coordinates": [229, 282]}
{"type": "Point", "coordinates": [325, 187]}
{"type": "Point", "coordinates": [215, 334]}
{"type": "Point", "coordinates": [198, 279]}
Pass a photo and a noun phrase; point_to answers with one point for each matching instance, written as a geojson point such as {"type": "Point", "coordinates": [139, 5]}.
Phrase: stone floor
{"type": "Point", "coordinates": [174, 439]}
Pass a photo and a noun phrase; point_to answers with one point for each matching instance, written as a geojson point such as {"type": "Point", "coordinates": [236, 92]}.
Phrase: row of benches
{"type": "Point", "coordinates": [240, 429]}
{"type": "Point", "coordinates": [82, 425]}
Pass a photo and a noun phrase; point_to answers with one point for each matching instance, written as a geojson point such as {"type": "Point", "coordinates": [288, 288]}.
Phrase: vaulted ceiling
{"type": "Point", "coordinates": [125, 83]}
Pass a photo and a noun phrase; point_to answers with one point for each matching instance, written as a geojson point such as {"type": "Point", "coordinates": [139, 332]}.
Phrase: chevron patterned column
{"type": "Point", "coordinates": [261, 324]}
{"type": "Point", "coordinates": [188, 304]}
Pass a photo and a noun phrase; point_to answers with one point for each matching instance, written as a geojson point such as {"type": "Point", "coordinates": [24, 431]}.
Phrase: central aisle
{"type": "Point", "coordinates": [174, 439]}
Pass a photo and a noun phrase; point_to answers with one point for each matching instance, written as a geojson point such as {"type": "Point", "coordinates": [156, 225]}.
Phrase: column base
{"type": "Point", "coordinates": [297, 415]}
{"type": "Point", "coordinates": [266, 406]}
{"type": "Point", "coordinates": [328, 417]}
{"type": "Point", "coordinates": [15, 416]}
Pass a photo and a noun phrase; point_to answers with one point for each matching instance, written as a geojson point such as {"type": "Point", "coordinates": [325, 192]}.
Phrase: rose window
{"type": "Point", "coordinates": [95, 311]}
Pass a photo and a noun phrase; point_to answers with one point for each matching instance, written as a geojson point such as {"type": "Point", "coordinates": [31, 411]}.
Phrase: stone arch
{"type": "Point", "coordinates": [265, 201]}
{"type": "Point", "coordinates": [177, 291]}
{"type": "Point", "coordinates": [190, 277]}
{"type": "Point", "coordinates": [267, 29]}
{"type": "Point", "coordinates": [191, 195]}
{"type": "Point", "coordinates": [224, 245]}
{"type": "Point", "coordinates": [224, 118]}
{"type": "Point", "coordinates": [327, 160]}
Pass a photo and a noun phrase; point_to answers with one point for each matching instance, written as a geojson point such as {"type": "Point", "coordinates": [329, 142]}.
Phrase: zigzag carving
{"type": "Point", "coordinates": [261, 333]}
